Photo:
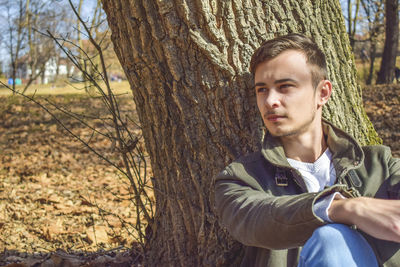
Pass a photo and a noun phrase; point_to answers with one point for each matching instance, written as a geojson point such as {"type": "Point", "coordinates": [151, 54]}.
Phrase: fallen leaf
{"type": "Point", "coordinates": [97, 235]}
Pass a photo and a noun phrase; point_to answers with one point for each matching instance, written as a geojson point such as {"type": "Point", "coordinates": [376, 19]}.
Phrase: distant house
{"type": "Point", "coordinates": [53, 68]}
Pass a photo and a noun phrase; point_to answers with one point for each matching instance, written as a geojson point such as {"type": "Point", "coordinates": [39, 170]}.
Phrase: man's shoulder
{"type": "Point", "coordinates": [246, 163]}
{"type": "Point", "coordinates": [251, 170]}
{"type": "Point", "coordinates": [248, 158]}
{"type": "Point", "coordinates": [380, 155]}
{"type": "Point", "coordinates": [380, 151]}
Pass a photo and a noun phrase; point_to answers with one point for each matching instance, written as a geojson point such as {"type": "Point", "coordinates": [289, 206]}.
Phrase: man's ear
{"type": "Point", "coordinates": [324, 92]}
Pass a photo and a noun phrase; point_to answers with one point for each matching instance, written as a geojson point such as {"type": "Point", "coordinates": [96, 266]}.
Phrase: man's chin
{"type": "Point", "coordinates": [281, 132]}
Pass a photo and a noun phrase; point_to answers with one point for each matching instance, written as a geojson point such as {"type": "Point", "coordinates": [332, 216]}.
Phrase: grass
{"type": "Point", "coordinates": [66, 88]}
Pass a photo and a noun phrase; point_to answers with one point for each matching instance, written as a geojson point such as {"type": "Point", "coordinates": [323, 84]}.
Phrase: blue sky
{"type": "Point", "coordinates": [87, 11]}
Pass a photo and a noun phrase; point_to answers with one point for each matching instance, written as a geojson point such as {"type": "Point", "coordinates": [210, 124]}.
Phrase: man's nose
{"type": "Point", "coordinates": [273, 99]}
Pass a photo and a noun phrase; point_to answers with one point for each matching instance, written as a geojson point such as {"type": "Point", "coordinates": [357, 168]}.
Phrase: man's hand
{"type": "Point", "coordinates": [379, 218]}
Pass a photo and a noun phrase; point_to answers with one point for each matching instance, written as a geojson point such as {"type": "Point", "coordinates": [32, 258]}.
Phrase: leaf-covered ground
{"type": "Point", "coordinates": [52, 187]}
{"type": "Point", "coordinates": [382, 104]}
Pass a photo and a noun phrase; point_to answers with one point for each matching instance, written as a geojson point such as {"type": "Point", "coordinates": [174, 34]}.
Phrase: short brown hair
{"type": "Point", "coordinates": [293, 41]}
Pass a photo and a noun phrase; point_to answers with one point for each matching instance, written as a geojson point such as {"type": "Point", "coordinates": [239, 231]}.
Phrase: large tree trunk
{"type": "Point", "coordinates": [386, 72]}
{"type": "Point", "coordinates": [187, 63]}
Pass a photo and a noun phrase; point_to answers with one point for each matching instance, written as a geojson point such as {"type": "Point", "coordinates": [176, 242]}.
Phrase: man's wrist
{"type": "Point", "coordinates": [340, 210]}
{"type": "Point", "coordinates": [322, 205]}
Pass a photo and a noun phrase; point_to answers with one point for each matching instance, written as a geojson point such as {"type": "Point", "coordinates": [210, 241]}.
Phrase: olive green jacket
{"type": "Point", "coordinates": [264, 204]}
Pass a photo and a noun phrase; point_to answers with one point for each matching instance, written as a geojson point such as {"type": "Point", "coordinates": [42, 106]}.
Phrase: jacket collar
{"type": "Point", "coordinates": [346, 152]}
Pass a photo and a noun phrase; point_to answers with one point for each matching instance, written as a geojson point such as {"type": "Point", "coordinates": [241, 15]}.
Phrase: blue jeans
{"type": "Point", "coordinates": [337, 245]}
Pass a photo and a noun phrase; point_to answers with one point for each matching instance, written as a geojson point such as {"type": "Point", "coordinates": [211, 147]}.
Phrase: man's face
{"type": "Point", "coordinates": [286, 98]}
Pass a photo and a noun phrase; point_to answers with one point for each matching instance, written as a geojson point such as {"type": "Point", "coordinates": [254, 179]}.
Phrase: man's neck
{"type": "Point", "coordinates": [305, 147]}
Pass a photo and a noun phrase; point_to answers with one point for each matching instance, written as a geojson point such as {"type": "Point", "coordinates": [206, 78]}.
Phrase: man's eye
{"type": "Point", "coordinates": [261, 89]}
{"type": "Point", "coordinates": [285, 86]}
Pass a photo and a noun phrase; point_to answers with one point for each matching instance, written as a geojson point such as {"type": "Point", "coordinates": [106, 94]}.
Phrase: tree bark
{"type": "Point", "coordinates": [388, 64]}
{"type": "Point", "coordinates": [187, 63]}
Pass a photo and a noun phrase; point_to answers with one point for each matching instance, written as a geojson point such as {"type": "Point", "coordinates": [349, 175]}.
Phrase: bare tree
{"type": "Point", "coordinates": [15, 31]}
{"type": "Point", "coordinates": [40, 48]}
{"type": "Point", "coordinates": [94, 26]}
{"type": "Point", "coordinates": [353, 8]}
{"type": "Point", "coordinates": [374, 12]}
{"type": "Point", "coordinates": [388, 64]}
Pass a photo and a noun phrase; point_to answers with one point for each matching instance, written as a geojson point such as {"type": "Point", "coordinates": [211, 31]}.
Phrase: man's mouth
{"type": "Point", "coordinates": [274, 117]}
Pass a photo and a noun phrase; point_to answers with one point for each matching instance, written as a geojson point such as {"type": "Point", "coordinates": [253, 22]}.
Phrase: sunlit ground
{"type": "Point", "coordinates": [66, 88]}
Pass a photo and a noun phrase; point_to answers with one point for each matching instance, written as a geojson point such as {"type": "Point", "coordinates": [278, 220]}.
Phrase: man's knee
{"type": "Point", "coordinates": [332, 234]}
{"type": "Point", "coordinates": [330, 238]}
{"type": "Point", "coordinates": [337, 245]}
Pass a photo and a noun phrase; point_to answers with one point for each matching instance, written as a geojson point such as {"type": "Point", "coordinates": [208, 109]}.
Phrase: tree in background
{"type": "Point", "coordinates": [388, 64]}
{"type": "Point", "coordinates": [15, 32]}
{"type": "Point", "coordinates": [187, 64]}
{"type": "Point", "coordinates": [352, 17]}
{"type": "Point", "coordinates": [96, 28]}
{"type": "Point", "coordinates": [365, 24]}
{"type": "Point", "coordinates": [40, 49]}
{"type": "Point", "coordinates": [375, 16]}
{"type": "Point", "coordinates": [28, 49]}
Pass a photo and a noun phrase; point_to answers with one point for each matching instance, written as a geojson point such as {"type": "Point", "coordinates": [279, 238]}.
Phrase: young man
{"type": "Point", "coordinates": [311, 185]}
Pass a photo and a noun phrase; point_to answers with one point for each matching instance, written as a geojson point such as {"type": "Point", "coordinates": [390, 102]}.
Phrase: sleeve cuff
{"type": "Point", "coordinates": [322, 205]}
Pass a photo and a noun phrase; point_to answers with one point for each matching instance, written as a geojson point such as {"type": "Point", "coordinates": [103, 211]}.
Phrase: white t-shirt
{"type": "Point", "coordinates": [316, 175]}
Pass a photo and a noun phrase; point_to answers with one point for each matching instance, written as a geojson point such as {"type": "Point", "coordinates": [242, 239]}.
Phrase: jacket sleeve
{"type": "Point", "coordinates": [382, 171]}
{"type": "Point", "coordinates": [394, 170]}
{"type": "Point", "coordinates": [257, 218]}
